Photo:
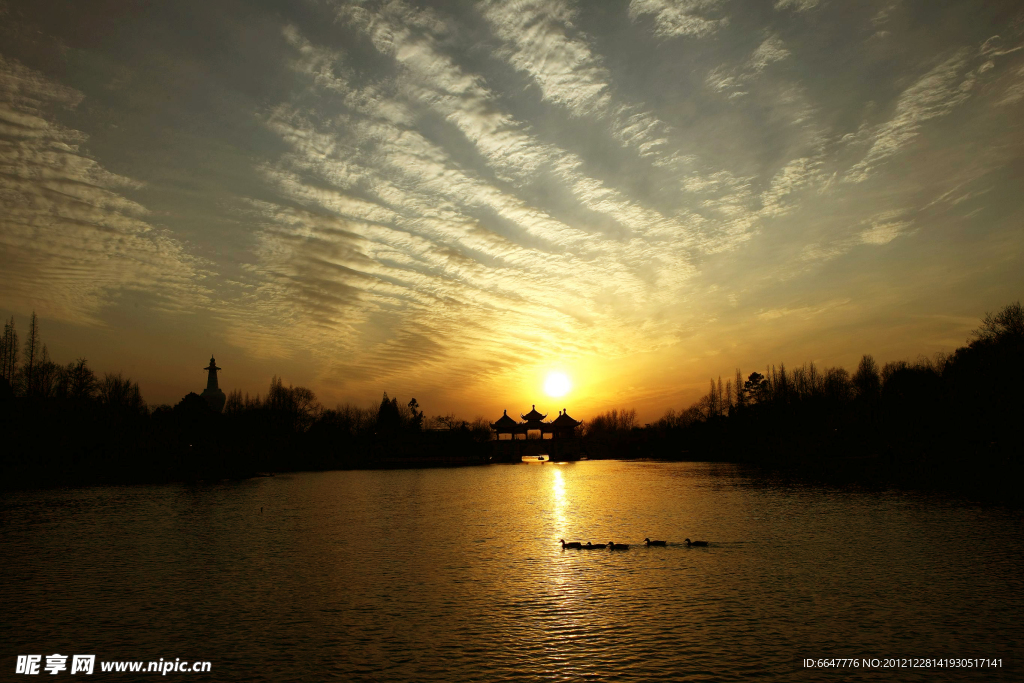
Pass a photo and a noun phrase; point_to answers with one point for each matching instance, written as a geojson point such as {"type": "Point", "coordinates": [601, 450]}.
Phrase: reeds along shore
{"type": "Point", "coordinates": [946, 422]}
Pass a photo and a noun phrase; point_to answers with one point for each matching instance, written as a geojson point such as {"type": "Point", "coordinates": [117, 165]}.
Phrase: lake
{"type": "Point", "coordinates": [457, 574]}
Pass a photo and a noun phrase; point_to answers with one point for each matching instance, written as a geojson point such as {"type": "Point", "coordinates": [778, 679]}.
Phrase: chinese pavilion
{"type": "Point", "coordinates": [533, 436]}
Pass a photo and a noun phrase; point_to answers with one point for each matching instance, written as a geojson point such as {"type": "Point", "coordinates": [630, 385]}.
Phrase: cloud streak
{"type": "Point", "coordinates": [449, 199]}
{"type": "Point", "coordinates": [71, 242]}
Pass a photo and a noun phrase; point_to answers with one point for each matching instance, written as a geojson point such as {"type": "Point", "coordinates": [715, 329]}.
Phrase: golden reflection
{"type": "Point", "coordinates": [558, 498]}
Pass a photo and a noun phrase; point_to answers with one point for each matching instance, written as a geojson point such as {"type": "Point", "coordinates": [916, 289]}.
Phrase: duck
{"type": "Point", "coordinates": [618, 546]}
{"type": "Point", "coordinates": [649, 542]}
{"type": "Point", "coordinates": [574, 544]}
{"type": "Point", "coordinates": [594, 546]}
{"type": "Point", "coordinates": [696, 544]}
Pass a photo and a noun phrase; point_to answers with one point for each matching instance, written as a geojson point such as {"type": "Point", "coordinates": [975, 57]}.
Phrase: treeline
{"type": "Point", "coordinates": [34, 376]}
{"type": "Point", "coordinates": [947, 421]}
{"type": "Point", "coordinates": [62, 424]}
{"type": "Point", "coordinates": [952, 420]}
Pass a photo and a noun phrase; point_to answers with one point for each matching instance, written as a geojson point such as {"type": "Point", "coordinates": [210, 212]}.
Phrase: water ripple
{"type": "Point", "coordinates": [458, 575]}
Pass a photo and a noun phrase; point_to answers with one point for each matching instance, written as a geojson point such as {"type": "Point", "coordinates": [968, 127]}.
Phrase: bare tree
{"type": "Point", "coordinates": [712, 401]}
{"type": "Point", "coordinates": [80, 380]}
{"type": "Point", "coordinates": [234, 403]}
{"type": "Point", "coordinates": [782, 384]}
{"type": "Point", "coordinates": [31, 355]}
{"type": "Point", "coordinates": [866, 380]}
{"type": "Point", "coordinates": [47, 375]}
{"type": "Point", "coordinates": [612, 421]}
{"type": "Point", "coordinates": [119, 392]}
{"type": "Point", "coordinates": [741, 395]}
{"type": "Point", "coordinates": [891, 368]}
{"type": "Point", "coordinates": [307, 408]}
{"type": "Point", "coordinates": [448, 421]}
{"type": "Point", "coordinates": [720, 406]}
{"type": "Point", "coordinates": [836, 385]}
{"type": "Point", "coordinates": [1007, 324]}
{"type": "Point", "coordinates": [814, 381]}
{"type": "Point", "coordinates": [9, 352]}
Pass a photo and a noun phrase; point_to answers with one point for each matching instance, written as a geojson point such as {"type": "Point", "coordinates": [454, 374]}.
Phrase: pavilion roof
{"type": "Point", "coordinates": [533, 415]}
{"type": "Point", "coordinates": [504, 422]}
{"type": "Point", "coordinates": [563, 420]}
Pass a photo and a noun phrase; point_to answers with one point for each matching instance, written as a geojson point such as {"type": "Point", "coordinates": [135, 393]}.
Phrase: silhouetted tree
{"type": "Point", "coordinates": [1006, 327]}
{"type": "Point", "coordinates": [234, 403]}
{"type": "Point", "coordinates": [417, 416]}
{"type": "Point", "coordinates": [192, 403]}
{"type": "Point", "coordinates": [480, 428]}
{"type": "Point", "coordinates": [306, 407]}
{"type": "Point", "coordinates": [866, 379]}
{"type": "Point", "coordinates": [712, 402]}
{"type": "Point", "coordinates": [295, 408]}
{"type": "Point", "coordinates": [80, 381]}
{"type": "Point", "coordinates": [448, 421]}
{"type": "Point", "coordinates": [388, 418]}
{"type": "Point", "coordinates": [120, 393]}
{"type": "Point", "coordinates": [836, 386]}
{"type": "Point", "coordinates": [612, 421]}
{"type": "Point", "coordinates": [741, 395]}
{"type": "Point", "coordinates": [720, 396]}
{"type": "Point", "coordinates": [6, 392]}
{"type": "Point", "coordinates": [756, 388]}
{"type": "Point", "coordinates": [9, 352]}
{"type": "Point", "coordinates": [32, 343]}
{"type": "Point", "coordinates": [780, 384]}
{"type": "Point", "coordinates": [47, 376]}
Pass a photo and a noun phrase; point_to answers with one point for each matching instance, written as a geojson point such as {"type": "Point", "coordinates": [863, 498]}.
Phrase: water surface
{"type": "Point", "coordinates": [457, 574]}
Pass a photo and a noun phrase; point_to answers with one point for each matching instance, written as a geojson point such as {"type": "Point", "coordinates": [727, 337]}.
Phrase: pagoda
{"type": "Point", "coordinates": [213, 395]}
{"type": "Point", "coordinates": [558, 438]}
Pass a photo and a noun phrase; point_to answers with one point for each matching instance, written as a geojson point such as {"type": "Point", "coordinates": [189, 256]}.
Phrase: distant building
{"type": "Point", "coordinates": [559, 438]}
{"type": "Point", "coordinates": [214, 397]}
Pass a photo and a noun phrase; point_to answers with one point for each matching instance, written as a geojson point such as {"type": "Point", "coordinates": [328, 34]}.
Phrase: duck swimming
{"type": "Point", "coordinates": [574, 544]}
{"type": "Point", "coordinates": [696, 544]}
{"type": "Point", "coordinates": [594, 546]}
{"type": "Point", "coordinates": [649, 542]}
{"type": "Point", "coordinates": [618, 546]}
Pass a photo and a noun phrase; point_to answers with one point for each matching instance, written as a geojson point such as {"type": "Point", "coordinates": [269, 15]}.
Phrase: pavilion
{"type": "Point", "coordinates": [558, 438]}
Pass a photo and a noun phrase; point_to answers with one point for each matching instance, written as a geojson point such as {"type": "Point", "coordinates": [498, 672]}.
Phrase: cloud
{"type": "Point", "coordinates": [71, 241]}
{"type": "Point", "coordinates": [673, 18]}
{"type": "Point", "coordinates": [542, 41]}
{"type": "Point", "coordinates": [770, 51]}
{"type": "Point", "coordinates": [934, 95]}
{"type": "Point", "coordinates": [883, 232]}
{"type": "Point", "coordinates": [1014, 92]}
{"type": "Point", "coordinates": [796, 5]}
{"type": "Point", "coordinates": [732, 81]}
{"type": "Point", "coordinates": [881, 229]}
{"type": "Point", "coordinates": [803, 312]}
{"type": "Point", "coordinates": [396, 249]}
{"type": "Point", "coordinates": [515, 155]}
{"type": "Point", "coordinates": [562, 65]}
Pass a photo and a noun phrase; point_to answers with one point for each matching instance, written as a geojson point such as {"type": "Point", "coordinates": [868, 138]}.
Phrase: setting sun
{"type": "Point", "coordinates": [557, 384]}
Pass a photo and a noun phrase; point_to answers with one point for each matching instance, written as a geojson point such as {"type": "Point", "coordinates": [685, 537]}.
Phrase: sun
{"type": "Point", "coordinates": [557, 384]}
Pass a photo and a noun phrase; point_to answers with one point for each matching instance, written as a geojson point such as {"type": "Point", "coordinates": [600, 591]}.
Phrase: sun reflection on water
{"type": "Point", "coordinates": [558, 501]}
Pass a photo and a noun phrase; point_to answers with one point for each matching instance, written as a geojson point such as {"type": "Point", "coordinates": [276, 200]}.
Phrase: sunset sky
{"type": "Point", "coordinates": [452, 200]}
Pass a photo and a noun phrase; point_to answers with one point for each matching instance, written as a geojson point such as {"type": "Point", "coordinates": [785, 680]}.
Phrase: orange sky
{"type": "Point", "coordinates": [370, 197]}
